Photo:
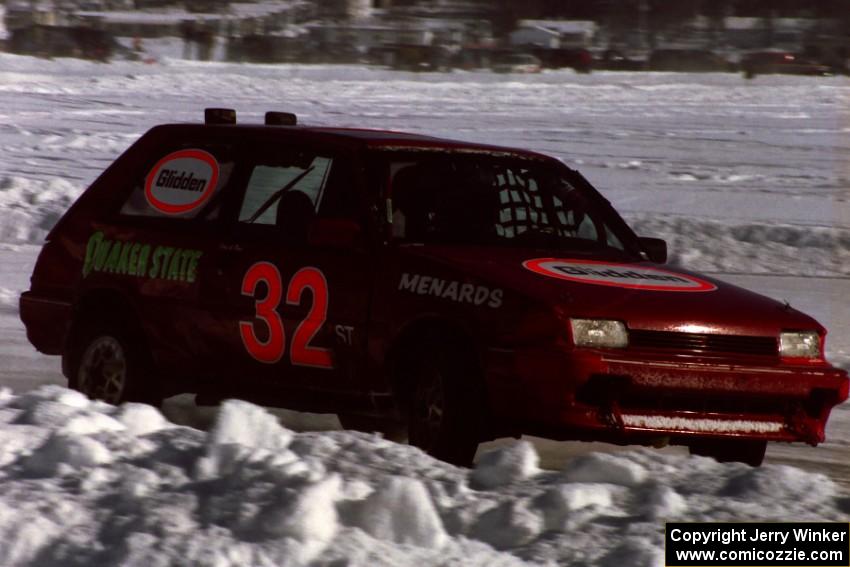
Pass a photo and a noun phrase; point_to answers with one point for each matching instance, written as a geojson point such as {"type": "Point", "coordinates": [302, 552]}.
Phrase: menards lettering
{"type": "Point", "coordinates": [611, 273]}
{"type": "Point", "coordinates": [140, 259]}
{"type": "Point", "coordinates": [448, 289]}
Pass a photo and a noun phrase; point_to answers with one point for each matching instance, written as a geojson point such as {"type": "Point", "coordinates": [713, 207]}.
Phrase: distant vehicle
{"type": "Point", "coordinates": [517, 63]}
{"type": "Point", "coordinates": [577, 58]}
{"type": "Point", "coordinates": [455, 291]}
{"type": "Point", "coordinates": [781, 62]}
{"type": "Point", "coordinates": [411, 57]}
{"type": "Point", "coordinates": [614, 60]}
{"type": "Point", "coordinates": [687, 60]}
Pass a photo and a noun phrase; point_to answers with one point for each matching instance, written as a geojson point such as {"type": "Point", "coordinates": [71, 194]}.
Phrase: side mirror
{"type": "Point", "coordinates": [654, 248]}
{"type": "Point", "coordinates": [334, 233]}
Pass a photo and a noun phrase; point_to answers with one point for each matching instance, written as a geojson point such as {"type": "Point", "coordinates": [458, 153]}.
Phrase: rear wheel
{"type": "Point", "coordinates": [445, 407]}
{"type": "Point", "coordinates": [746, 451]}
{"type": "Point", "coordinates": [110, 364]}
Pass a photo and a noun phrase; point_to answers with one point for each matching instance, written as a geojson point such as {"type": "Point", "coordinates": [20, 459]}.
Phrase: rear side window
{"type": "Point", "coordinates": [278, 182]}
{"type": "Point", "coordinates": [181, 182]}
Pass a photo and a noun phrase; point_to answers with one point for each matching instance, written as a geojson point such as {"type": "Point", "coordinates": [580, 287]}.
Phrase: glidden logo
{"type": "Point", "coordinates": [617, 275]}
{"type": "Point", "coordinates": [181, 181]}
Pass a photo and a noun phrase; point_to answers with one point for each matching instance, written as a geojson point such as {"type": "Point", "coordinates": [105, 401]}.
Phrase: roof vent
{"type": "Point", "coordinates": [281, 119]}
{"type": "Point", "coordinates": [219, 116]}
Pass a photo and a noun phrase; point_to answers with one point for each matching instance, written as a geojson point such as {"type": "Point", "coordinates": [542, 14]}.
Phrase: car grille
{"type": "Point", "coordinates": [652, 401]}
{"type": "Point", "coordinates": [704, 343]}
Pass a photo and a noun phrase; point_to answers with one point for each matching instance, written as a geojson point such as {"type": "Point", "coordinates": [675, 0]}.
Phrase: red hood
{"type": "Point", "coordinates": [643, 294]}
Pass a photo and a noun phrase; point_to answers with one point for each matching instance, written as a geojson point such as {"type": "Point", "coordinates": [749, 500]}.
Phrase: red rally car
{"type": "Point", "coordinates": [455, 292]}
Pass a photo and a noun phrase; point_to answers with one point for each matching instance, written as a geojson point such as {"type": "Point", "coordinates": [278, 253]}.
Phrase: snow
{"type": "Point", "coordinates": [661, 502]}
{"type": "Point", "coordinates": [401, 510]}
{"type": "Point", "coordinates": [717, 246]}
{"type": "Point", "coordinates": [655, 143]}
{"type": "Point", "coordinates": [694, 424]}
{"type": "Point", "coordinates": [517, 463]}
{"type": "Point", "coordinates": [133, 496]}
{"type": "Point", "coordinates": [610, 469]}
{"type": "Point", "coordinates": [140, 419]}
{"type": "Point", "coordinates": [66, 453]}
{"type": "Point", "coordinates": [745, 179]}
{"type": "Point", "coordinates": [245, 424]}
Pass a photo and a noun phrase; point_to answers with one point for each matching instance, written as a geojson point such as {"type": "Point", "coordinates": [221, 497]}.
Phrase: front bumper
{"type": "Point", "coordinates": [625, 397]}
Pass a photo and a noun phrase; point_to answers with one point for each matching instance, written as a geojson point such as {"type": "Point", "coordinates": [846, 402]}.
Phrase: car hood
{"type": "Point", "coordinates": [643, 294]}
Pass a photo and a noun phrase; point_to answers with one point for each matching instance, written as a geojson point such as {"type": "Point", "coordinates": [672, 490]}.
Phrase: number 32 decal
{"type": "Point", "coordinates": [272, 349]}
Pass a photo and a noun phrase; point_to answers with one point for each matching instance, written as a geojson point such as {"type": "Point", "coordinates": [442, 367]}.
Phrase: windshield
{"type": "Point", "coordinates": [498, 201]}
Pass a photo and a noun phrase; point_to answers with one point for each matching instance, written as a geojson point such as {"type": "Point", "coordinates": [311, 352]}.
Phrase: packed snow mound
{"type": "Point", "coordinates": [712, 245]}
{"type": "Point", "coordinates": [85, 483]}
{"type": "Point", "coordinates": [29, 208]}
{"type": "Point", "coordinates": [602, 467]}
{"type": "Point", "coordinates": [510, 465]}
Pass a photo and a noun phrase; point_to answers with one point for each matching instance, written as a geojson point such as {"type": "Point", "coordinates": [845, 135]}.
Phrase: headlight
{"type": "Point", "coordinates": [799, 344]}
{"type": "Point", "coordinates": [599, 333]}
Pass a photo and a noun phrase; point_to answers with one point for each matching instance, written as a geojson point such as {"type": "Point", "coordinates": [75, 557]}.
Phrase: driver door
{"type": "Point", "coordinates": [292, 314]}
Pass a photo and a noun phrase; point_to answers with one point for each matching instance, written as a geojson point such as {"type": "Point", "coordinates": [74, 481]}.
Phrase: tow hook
{"type": "Point", "coordinates": [611, 415]}
{"type": "Point", "coordinates": [797, 421]}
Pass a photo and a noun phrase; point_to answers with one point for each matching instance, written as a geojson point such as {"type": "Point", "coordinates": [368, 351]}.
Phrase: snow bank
{"type": "Point", "coordinates": [712, 245]}
{"type": "Point", "coordinates": [85, 483]}
{"type": "Point", "coordinates": [499, 468]}
{"type": "Point", "coordinates": [31, 207]}
{"type": "Point", "coordinates": [737, 176]}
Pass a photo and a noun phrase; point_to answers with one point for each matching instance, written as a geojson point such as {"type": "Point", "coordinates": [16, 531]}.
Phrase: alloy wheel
{"type": "Point", "coordinates": [103, 370]}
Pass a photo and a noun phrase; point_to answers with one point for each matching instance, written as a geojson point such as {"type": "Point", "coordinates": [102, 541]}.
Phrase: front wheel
{"type": "Point", "coordinates": [445, 409]}
{"type": "Point", "coordinates": [110, 365]}
{"type": "Point", "coordinates": [748, 451]}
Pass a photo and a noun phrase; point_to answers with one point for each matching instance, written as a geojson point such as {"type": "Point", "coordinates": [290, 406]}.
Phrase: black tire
{"type": "Point", "coordinates": [109, 363]}
{"type": "Point", "coordinates": [748, 451]}
{"type": "Point", "coordinates": [445, 409]}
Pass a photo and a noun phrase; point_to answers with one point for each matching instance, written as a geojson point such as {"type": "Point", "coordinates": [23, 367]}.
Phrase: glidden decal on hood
{"type": "Point", "coordinates": [181, 181]}
{"type": "Point", "coordinates": [616, 275]}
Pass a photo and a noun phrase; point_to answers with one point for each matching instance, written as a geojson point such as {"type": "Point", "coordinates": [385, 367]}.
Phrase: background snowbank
{"type": "Point", "coordinates": [741, 176]}
{"type": "Point", "coordinates": [122, 486]}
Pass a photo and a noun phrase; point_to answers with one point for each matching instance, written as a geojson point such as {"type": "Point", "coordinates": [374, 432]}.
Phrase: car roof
{"type": "Point", "coordinates": [362, 137]}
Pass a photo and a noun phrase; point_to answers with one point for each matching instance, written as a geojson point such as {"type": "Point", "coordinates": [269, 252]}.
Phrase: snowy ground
{"type": "Point", "coordinates": [123, 486]}
{"type": "Point", "coordinates": [744, 179]}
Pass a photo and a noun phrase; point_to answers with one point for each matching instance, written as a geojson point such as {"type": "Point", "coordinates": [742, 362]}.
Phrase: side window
{"type": "Point", "coordinates": [341, 199]}
{"type": "Point", "coordinates": [274, 186]}
{"type": "Point", "coordinates": [520, 204]}
{"type": "Point", "coordinates": [405, 187]}
{"type": "Point", "coordinates": [181, 183]}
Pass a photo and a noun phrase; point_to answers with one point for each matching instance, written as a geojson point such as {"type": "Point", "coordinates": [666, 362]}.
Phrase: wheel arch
{"type": "Point", "coordinates": [425, 330]}
{"type": "Point", "coordinates": [102, 303]}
